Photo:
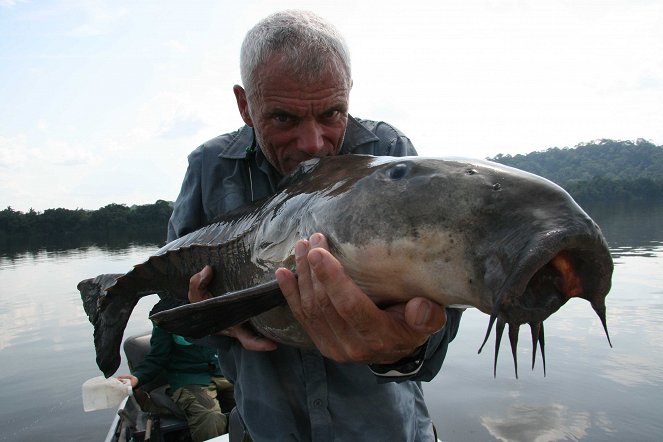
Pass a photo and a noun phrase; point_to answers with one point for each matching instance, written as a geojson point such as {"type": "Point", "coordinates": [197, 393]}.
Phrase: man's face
{"type": "Point", "coordinates": [296, 120]}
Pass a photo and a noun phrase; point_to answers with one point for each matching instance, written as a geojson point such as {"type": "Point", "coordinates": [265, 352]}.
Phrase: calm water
{"type": "Point", "coordinates": [591, 392]}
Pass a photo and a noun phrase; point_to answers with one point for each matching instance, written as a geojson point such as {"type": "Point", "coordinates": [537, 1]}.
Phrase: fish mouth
{"type": "Point", "coordinates": [550, 274]}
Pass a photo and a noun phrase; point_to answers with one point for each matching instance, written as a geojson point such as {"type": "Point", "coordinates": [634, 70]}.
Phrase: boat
{"type": "Point", "coordinates": [165, 422]}
{"type": "Point", "coordinates": [132, 424]}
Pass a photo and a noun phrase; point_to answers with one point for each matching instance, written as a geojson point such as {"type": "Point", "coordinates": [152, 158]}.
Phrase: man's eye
{"type": "Point", "coordinates": [282, 118]}
{"type": "Point", "coordinates": [330, 114]}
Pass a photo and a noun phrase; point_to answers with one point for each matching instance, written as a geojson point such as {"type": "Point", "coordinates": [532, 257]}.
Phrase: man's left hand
{"type": "Point", "coordinates": [341, 319]}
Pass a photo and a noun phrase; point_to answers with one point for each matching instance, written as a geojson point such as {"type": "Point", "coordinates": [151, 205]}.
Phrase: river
{"type": "Point", "coordinates": [591, 392]}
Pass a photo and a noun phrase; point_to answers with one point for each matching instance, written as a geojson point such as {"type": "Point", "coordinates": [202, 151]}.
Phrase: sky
{"type": "Point", "coordinates": [102, 101]}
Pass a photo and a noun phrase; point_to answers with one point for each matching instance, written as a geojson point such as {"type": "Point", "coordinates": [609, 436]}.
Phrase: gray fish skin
{"type": "Point", "coordinates": [459, 232]}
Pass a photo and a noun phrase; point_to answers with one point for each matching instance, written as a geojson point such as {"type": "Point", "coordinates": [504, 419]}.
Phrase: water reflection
{"type": "Point", "coordinates": [630, 227]}
{"type": "Point", "coordinates": [591, 392]}
{"type": "Point", "coordinates": [555, 422]}
{"type": "Point", "coordinates": [77, 245]}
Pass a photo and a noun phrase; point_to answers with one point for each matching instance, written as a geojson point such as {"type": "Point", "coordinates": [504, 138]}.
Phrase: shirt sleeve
{"type": "Point", "coordinates": [437, 347]}
{"type": "Point", "coordinates": [427, 360]}
{"type": "Point", "coordinates": [188, 208]}
{"type": "Point", "coordinates": [393, 142]}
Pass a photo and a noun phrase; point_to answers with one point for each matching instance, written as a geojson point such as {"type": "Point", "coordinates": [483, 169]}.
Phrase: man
{"type": "Point", "coordinates": [197, 385]}
{"type": "Point", "coordinates": [362, 382]}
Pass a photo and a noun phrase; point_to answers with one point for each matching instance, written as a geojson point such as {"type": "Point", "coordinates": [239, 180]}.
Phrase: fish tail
{"type": "Point", "coordinates": [109, 315]}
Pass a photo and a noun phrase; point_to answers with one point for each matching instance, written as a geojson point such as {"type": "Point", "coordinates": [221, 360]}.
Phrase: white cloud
{"type": "Point", "coordinates": [99, 18]}
{"type": "Point", "coordinates": [13, 151]}
{"type": "Point", "coordinates": [176, 45]}
{"type": "Point", "coordinates": [10, 3]}
{"type": "Point", "coordinates": [119, 112]}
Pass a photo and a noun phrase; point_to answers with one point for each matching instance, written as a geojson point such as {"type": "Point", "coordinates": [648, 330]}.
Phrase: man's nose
{"type": "Point", "coordinates": [310, 138]}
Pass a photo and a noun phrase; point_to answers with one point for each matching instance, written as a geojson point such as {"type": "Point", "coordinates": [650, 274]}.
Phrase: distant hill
{"type": "Point", "coordinates": [601, 170]}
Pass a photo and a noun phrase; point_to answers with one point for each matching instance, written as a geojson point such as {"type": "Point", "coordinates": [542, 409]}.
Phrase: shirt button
{"type": "Point", "coordinates": [317, 403]}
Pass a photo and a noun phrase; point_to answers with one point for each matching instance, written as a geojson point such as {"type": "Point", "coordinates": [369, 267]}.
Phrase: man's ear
{"type": "Point", "coordinates": [242, 104]}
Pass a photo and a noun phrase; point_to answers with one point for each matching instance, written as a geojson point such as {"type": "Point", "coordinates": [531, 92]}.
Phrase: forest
{"type": "Point", "coordinates": [112, 222]}
{"type": "Point", "coordinates": [602, 170]}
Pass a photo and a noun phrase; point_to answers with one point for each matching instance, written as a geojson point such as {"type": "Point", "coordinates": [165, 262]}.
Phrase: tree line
{"type": "Point", "coordinates": [602, 170]}
{"type": "Point", "coordinates": [141, 222]}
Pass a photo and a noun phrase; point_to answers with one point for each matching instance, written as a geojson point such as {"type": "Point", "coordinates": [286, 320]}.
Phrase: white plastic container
{"type": "Point", "coordinates": [101, 393]}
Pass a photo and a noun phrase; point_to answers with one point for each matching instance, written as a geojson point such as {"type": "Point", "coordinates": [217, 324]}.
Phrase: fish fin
{"type": "Point", "coordinates": [109, 316]}
{"type": "Point", "coordinates": [513, 340]}
{"type": "Point", "coordinates": [538, 338]}
{"type": "Point", "coordinates": [219, 313]}
{"type": "Point", "coordinates": [542, 344]}
{"type": "Point", "coordinates": [534, 328]}
{"type": "Point", "coordinates": [490, 327]}
{"type": "Point", "coordinates": [499, 330]}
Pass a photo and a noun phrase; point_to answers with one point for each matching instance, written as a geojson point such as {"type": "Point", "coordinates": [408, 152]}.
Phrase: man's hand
{"type": "Point", "coordinates": [342, 321]}
{"type": "Point", "coordinates": [198, 284]}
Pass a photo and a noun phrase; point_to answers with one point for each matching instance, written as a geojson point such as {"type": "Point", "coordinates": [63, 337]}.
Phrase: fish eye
{"type": "Point", "coordinates": [398, 171]}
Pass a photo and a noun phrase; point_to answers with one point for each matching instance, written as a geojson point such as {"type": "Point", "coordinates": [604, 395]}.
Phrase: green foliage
{"type": "Point", "coordinates": [113, 220]}
{"type": "Point", "coordinates": [603, 170]}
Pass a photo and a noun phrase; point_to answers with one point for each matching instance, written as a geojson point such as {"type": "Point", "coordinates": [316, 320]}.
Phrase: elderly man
{"type": "Point", "coordinates": [363, 381]}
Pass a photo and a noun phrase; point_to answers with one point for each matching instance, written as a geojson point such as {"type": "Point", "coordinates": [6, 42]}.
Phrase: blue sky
{"type": "Point", "coordinates": [101, 101]}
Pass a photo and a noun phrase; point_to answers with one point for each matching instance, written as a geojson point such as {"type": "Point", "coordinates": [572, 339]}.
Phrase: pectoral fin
{"type": "Point", "coordinates": [219, 313]}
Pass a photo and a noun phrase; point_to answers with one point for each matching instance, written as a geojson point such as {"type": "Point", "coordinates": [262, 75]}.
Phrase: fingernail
{"type": "Point", "coordinates": [423, 314]}
{"type": "Point", "coordinates": [315, 240]}
{"type": "Point", "coordinates": [278, 274]}
{"type": "Point", "coordinates": [300, 249]}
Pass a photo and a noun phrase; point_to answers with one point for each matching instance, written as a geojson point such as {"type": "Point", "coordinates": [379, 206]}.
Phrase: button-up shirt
{"type": "Point", "coordinates": [291, 394]}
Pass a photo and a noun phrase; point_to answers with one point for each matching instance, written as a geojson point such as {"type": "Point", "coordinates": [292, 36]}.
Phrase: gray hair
{"type": "Point", "coordinates": [306, 43]}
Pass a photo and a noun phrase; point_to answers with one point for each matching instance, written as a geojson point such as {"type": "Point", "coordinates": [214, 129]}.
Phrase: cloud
{"type": "Point", "coordinates": [176, 45]}
{"type": "Point", "coordinates": [10, 3]}
{"type": "Point", "coordinates": [18, 154]}
{"type": "Point", "coordinates": [39, 173]}
{"type": "Point", "coordinates": [182, 126]}
{"type": "Point", "coordinates": [99, 19]}
{"type": "Point", "coordinates": [538, 424]}
{"type": "Point", "coordinates": [13, 151]}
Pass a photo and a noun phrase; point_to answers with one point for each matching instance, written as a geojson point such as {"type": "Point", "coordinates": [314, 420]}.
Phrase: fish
{"type": "Point", "coordinates": [461, 232]}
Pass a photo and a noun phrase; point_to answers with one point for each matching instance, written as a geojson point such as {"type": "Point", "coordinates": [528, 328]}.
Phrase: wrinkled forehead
{"type": "Point", "coordinates": [306, 71]}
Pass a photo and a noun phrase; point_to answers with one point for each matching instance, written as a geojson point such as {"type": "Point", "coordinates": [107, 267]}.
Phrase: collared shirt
{"type": "Point", "coordinates": [292, 394]}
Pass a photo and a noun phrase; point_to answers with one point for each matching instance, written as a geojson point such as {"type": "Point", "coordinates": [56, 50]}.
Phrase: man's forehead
{"type": "Point", "coordinates": [286, 93]}
{"type": "Point", "coordinates": [276, 71]}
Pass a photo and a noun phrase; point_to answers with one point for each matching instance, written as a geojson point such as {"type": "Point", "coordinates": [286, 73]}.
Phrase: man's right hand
{"type": "Point", "coordinates": [249, 339]}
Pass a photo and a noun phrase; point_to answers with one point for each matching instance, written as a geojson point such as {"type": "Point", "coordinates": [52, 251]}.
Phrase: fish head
{"type": "Point", "coordinates": [461, 232]}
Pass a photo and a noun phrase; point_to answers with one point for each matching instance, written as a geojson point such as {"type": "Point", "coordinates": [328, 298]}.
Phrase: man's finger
{"type": "Point", "coordinates": [347, 299]}
{"type": "Point", "coordinates": [251, 340]}
{"type": "Point", "coordinates": [198, 284]}
{"type": "Point", "coordinates": [424, 315]}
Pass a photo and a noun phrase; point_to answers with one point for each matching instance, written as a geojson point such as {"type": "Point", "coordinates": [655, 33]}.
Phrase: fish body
{"type": "Point", "coordinates": [459, 232]}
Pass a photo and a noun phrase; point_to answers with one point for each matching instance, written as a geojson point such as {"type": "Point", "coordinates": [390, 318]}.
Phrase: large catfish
{"type": "Point", "coordinates": [472, 233]}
